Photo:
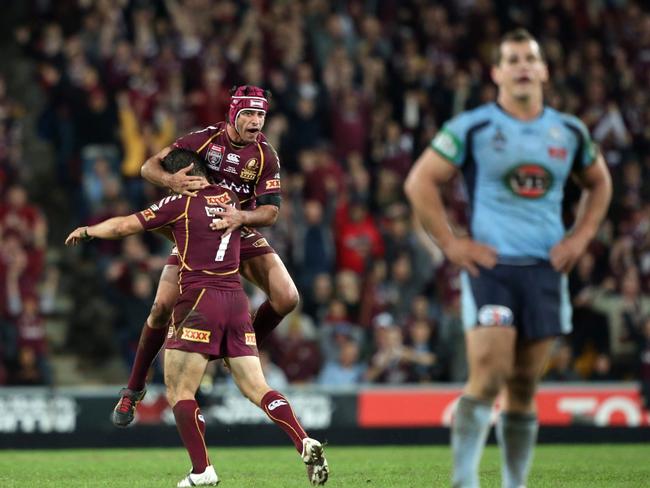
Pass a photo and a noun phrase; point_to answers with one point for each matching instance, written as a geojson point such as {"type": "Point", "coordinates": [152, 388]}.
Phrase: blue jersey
{"type": "Point", "coordinates": [515, 173]}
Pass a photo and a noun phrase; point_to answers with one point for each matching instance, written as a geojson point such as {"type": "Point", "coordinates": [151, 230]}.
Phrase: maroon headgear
{"type": "Point", "coordinates": [246, 98]}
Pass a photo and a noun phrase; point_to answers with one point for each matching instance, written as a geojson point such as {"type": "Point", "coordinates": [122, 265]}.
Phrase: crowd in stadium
{"type": "Point", "coordinates": [359, 89]}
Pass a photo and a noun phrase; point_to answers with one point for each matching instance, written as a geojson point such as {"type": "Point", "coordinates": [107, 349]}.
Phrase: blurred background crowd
{"type": "Point", "coordinates": [91, 88]}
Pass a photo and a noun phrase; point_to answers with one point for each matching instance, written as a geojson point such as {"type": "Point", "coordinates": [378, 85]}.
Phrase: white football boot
{"type": "Point", "coordinates": [207, 478]}
{"type": "Point", "coordinates": [314, 457]}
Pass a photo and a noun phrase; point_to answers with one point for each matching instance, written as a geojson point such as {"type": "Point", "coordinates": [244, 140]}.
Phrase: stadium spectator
{"type": "Point", "coordinates": [561, 362]}
{"type": "Point", "coordinates": [387, 365]}
{"type": "Point", "coordinates": [590, 334]}
{"type": "Point", "coordinates": [419, 355]}
{"type": "Point", "coordinates": [346, 369]}
{"type": "Point", "coordinates": [626, 303]}
{"type": "Point", "coordinates": [358, 238]}
{"type": "Point", "coordinates": [313, 246]}
{"type": "Point", "coordinates": [318, 296]}
{"type": "Point", "coordinates": [274, 375]}
{"type": "Point", "coordinates": [294, 349]}
{"type": "Point", "coordinates": [602, 370]}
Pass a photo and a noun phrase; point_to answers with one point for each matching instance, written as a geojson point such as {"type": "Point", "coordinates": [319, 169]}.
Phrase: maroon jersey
{"type": "Point", "coordinates": [249, 171]}
{"type": "Point", "coordinates": [207, 259]}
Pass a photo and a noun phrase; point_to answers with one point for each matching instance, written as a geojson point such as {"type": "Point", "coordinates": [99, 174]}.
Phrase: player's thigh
{"type": "Point", "coordinates": [166, 296]}
{"type": "Point", "coordinates": [184, 371]}
{"type": "Point", "coordinates": [269, 273]}
{"type": "Point", "coordinates": [531, 357]}
{"type": "Point", "coordinates": [491, 351]}
{"type": "Point", "coordinates": [248, 376]}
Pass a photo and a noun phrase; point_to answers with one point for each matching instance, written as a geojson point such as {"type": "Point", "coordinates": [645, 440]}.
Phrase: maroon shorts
{"type": "Point", "coordinates": [212, 322]}
{"type": "Point", "coordinates": [253, 244]}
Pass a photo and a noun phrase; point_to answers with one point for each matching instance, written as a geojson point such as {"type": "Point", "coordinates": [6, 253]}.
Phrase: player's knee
{"type": "Point", "coordinates": [491, 386]}
{"type": "Point", "coordinates": [255, 391]}
{"type": "Point", "coordinates": [176, 393]}
{"type": "Point", "coordinates": [521, 389]}
{"type": "Point", "coordinates": [159, 314]}
{"type": "Point", "coordinates": [491, 379]}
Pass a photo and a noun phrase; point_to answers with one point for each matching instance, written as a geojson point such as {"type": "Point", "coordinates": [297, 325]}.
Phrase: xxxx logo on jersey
{"type": "Point", "coordinates": [222, 199]}
{"type": "Point", "coordinates": [529, 180]}
{"type": "Point", "coordinates": [196, 335]}
{"type": "Point", "coordinates": [148, 214]}
{"type": "Point", "coordinates": [249, 337]}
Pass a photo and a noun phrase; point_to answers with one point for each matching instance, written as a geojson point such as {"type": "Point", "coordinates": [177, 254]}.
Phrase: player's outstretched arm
{"type": "Point", "coordinates": [179, 182]}
{"type": "Point", "coordinates": [594, 202]}
{"type": "Point", "coordinates": [429, 172]}
{"type": "Point", "coordinates": [114, 228]}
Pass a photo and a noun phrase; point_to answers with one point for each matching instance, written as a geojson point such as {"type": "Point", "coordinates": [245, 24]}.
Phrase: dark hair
{"type": "Point", "coordinates": [178, 159]}
{"type": "Point", "coordinates": [517, 35]}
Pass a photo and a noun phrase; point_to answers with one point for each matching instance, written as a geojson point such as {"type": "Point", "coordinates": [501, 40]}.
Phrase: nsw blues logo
{"type": "Point", "coordinates": [214, 155]}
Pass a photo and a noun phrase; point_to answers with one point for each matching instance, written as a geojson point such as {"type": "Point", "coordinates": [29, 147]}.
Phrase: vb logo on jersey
{"type": "Point", "coordinates": [529, 180]}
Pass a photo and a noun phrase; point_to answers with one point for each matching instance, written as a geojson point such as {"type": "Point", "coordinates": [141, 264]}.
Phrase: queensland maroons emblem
{"type": "Point", "coordinates": [214, 155]}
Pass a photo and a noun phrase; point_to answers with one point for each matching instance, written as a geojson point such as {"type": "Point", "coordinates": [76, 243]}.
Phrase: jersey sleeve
{"type": "Point", "coordinates": [586, 150]}
{"type": "Point", "coordinates": [450, 141]}
{"type": "Point", "coordinates": [164, 212]}
{"type": "Point", "coordinates": [268, 182]}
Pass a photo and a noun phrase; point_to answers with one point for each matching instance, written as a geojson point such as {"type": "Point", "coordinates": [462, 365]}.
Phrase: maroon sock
{"type": "Point", "coordinates": [266, 319]}
{"type": "Point", "coordinates": [277, 407]}
{"type": "Point", "coordinates": [191, 427]}
{"type": "Point", "coordinates": [151, 340]}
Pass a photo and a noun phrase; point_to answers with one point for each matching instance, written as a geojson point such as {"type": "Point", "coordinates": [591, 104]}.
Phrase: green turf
{"type": "Point", "coordinates": [351, 467]}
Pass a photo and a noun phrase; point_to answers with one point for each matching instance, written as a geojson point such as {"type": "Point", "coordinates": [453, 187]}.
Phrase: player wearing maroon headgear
{"type": "Point", "coordinates": [239, 158]}
{"type": "Point", "coordinates": [210, 319]}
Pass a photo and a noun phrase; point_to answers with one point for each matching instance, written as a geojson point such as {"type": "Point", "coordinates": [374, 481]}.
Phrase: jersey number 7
{"type": "Point", "coordinates": [223, 245]}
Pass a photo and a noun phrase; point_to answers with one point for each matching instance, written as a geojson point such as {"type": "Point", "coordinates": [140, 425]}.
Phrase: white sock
{"type": "Point", "coordinates": [517, 435]}
{"type": "Point", "coordinates": [468, 434]}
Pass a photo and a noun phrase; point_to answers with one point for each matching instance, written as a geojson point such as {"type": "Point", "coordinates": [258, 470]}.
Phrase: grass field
{"type": "Point", "coordinates": [351, 467]}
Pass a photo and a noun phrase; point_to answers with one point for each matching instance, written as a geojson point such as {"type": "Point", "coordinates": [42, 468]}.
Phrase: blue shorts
{"type": "Point", "coordinates": [533, 298]}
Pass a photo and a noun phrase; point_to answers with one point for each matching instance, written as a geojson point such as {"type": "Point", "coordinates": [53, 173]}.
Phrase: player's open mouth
{"type": "Point", "coordinates": [523, 79]}
{"type": "Point", "coordinates": [252, 131]}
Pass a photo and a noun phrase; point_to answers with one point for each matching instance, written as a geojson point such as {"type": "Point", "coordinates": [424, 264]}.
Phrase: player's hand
{"type": "Point", "coordinates": [229, 220]}
{"type": "Point", "coordinates": [469, 254]}
{"type": "Point", "coordinates": [565, 254]}
{"type": "Point", "coordinates": [183, 184]}
{"type": "Point", "coordinates": [80, 234]}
